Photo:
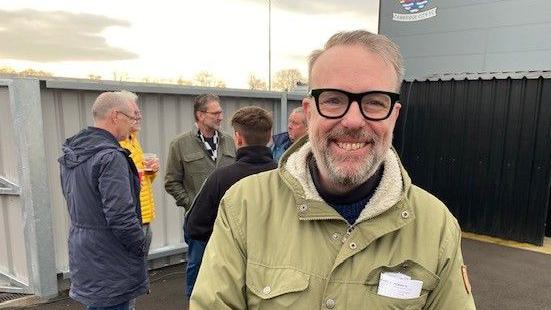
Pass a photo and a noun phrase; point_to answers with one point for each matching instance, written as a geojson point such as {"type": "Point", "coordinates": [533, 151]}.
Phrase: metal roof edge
{"type": "Point", "coordinates": [139, 87]}
{"type": "Point", "coordinates": [515, 75]}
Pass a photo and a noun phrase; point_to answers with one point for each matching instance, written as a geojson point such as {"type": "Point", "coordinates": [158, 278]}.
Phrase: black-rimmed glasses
{"type": "Point", "coordinates": [334, 103]}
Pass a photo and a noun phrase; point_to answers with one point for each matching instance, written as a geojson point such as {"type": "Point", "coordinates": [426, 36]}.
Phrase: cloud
{"type": "Point", "coordinates": [356, 7]}
{"type": "Point", "coordinates": [50, 36]}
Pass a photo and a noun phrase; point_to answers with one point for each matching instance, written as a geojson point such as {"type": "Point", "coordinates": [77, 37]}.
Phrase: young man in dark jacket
{"type": "Point", "coordinates": [253, 126]}
{"type": "Point", "coordinates": [100, 183]}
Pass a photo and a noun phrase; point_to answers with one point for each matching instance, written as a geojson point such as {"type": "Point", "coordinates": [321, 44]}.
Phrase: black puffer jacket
{"type": "Point", "coordinates": [106, 241]}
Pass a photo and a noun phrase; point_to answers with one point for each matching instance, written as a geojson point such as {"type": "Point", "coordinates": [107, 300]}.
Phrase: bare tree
{"type": "Point", "coordinates": [120, 76]}
{"type": "Point", "coordinates": [206, 79]}
{"type": "Point", "coordinates": [94, 77]}
{"type": "Point", "coordinates": [27, 72]}
{"type": "Point", "coordinates": [7, 70]}
{"type": "Point", "coordinates": [182, 81]}
{"type": "Point", "coordinates": [287, 79]}
{"type": "Point", "coordinates": [256, 83]}
{"type": "Point", "coordinates": [150, 79]}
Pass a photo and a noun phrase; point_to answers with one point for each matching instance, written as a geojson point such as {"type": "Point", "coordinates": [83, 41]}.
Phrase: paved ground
{"type": "Point", "coordinates": [506, 278]}
{"type": "Point", "coordinates": [502, 278]}
{"type": "Point", "coordinates": [167, 293]}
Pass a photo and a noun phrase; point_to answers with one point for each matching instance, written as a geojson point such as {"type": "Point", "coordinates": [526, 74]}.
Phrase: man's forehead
{"type": "Point", "coordinates": [133, 105]}
{"type": "Point", "coordinates": [213, 104]}
{"type": "Point", "coordinates": [353, 68]}
{"type": "Point", "coordinates": [296, 116]}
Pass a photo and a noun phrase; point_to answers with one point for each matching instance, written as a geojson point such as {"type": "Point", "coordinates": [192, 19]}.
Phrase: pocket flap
{"type": "Point", "coordinates": [410, 268]}
{"type": "Point", "coordinates": [193, 156]}
{"type": "Point", "coordinates": [270, 282]}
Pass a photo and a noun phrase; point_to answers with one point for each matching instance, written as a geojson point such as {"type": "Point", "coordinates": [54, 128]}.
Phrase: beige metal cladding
{"type": "Point", "coordinates": [14, 274]}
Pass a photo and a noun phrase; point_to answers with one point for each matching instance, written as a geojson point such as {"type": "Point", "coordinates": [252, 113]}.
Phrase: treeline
{"type": "Point", "coordinates": [283, 80]}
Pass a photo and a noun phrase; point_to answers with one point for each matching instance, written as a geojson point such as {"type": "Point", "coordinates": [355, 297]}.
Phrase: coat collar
{"type": "Point", "coordinates": [294, 172]}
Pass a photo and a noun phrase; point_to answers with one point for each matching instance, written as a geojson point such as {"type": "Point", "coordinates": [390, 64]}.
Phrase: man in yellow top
{"type": "Point", "coordinates": [147, 170]}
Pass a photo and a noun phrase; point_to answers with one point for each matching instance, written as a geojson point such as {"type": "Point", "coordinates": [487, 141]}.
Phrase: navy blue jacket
{"type": "Point", "coordinates": [106, 242]}
{"type": "Point", "coordinates": [249, 160]}
{"type": "Point", "coordinates": [281, 142]}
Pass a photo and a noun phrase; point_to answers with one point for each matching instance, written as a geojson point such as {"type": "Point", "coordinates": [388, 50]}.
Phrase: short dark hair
{"type": "Point", "coordinates": [254, 124]}
{"type": "Point", "coordinates": [200, 102]}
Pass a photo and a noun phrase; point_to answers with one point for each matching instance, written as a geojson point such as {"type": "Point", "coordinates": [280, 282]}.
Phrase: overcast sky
{"type": "Point", "coordinates": [171, 39]}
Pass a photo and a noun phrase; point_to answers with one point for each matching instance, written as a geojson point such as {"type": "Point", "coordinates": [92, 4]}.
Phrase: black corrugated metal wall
{"type": "Point", "coordinates": [484, 148]}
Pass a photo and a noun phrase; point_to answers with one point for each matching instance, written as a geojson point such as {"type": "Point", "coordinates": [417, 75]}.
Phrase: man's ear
{"type": "Point", "coordinates": [113, 116]}
{"type": "Point", "coordinates": [397, 107]}
{"type": "Point", "coordinates": [307, 105]}
{"type": "Point", "coordinates": [238, 139]}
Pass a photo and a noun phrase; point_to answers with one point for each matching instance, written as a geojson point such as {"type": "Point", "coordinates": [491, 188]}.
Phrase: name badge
{"type": "Point", "coordinates": [398, 285]}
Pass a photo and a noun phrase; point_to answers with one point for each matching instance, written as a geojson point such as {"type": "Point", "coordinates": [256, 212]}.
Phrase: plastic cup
{"type": "Point", "coordinates": [149, 159]}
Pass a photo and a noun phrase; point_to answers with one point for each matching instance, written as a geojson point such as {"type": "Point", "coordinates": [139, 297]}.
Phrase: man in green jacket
{"type": "Point", "coordinates": [339, 224]}
{"type": "Point", "coordinates": [191, 159]}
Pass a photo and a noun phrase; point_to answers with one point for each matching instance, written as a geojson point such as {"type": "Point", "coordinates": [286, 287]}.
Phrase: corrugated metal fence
{"type": "Point", "coordinates": [62, 108]}
{"type": "Point", "coordinates": [484, 148]}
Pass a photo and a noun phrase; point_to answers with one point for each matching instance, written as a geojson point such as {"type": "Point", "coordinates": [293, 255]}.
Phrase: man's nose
{"type": "Point", "coordinates": [353, 117]}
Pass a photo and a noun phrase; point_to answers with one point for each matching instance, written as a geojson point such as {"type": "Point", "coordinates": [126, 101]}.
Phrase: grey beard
{"type": "Point", "coordinates": [364, 172]}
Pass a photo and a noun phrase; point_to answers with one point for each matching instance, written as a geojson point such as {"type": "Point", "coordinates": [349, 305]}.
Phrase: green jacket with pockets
{"type": "Point", "coordinates": [189, 165]}
{"type": "Point", "coordinates": [277, 245]}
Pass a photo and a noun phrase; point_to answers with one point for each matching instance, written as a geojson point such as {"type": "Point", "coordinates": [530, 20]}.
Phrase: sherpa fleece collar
{"type": "Point", "coordinates": [387, 194]}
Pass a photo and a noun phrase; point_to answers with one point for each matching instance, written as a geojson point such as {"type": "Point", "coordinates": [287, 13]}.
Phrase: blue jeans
{"type": "Point", "coordinates": [123, 306]}
{"type": "Point", "coordinates": [195, 251]}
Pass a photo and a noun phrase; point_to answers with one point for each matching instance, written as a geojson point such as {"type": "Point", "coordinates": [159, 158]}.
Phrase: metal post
{"type": "Point", "coordinates": [269, 44]}
{"type": "Point", "coordinates": [283, 112]}
{"type": "Point", "coordinates": [39, 243]}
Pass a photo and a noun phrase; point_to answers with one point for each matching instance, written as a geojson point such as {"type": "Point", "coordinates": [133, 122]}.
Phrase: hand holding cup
{"type": "Point", "coordinates": [151, 162]}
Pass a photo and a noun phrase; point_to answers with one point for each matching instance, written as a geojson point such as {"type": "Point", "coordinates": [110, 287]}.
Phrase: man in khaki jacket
{"type": "Point", "coordinates": [339, 224]}
{"type": "Point", "coordinates": [192, 157]}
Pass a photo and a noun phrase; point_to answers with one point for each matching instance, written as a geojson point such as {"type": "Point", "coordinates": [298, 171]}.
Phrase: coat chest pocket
{"type": "Point", "coordinates": [194, 162]}
{"type": "Point", "coordinates": [409, 268]}
{"type": "Point", "coordinates": [197, 168]}
{"type": "Point", "coordinates": [274, 287]}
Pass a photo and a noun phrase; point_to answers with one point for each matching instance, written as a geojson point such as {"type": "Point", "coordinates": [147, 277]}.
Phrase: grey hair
{"type": "Point", "coordinates": [375, 43]}
{"type": "Point", "coordinates": [300, 110]}
{"type": "Point", "coordinates": [108, 101]}
{"type": "Point", "coordinates": [130, 95]}
{"type": "Point", "coordinates": [200, 103]}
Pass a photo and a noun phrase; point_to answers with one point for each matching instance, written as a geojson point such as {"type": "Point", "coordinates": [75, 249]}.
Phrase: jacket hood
{"type": "Point", "coordinates": [392, 188]}
{"type": "Point", "coordinates": [85, 144]}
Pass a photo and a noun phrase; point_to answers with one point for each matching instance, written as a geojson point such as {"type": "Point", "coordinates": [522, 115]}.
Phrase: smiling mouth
{"type": "Point", "coordinates": [351, 146]}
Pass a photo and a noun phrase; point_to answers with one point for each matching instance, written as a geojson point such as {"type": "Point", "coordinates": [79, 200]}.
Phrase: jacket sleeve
{"type": "Point", "coordinates": [118, 203]}
{"type": "Point", "coordinates": [202, 213]}
{"type": "Point", "coordinates": [451, 292]}
{"type": "Point", "coordinates": [174, 177]}
{"type": "Point", "coordinates": [221, 280]}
